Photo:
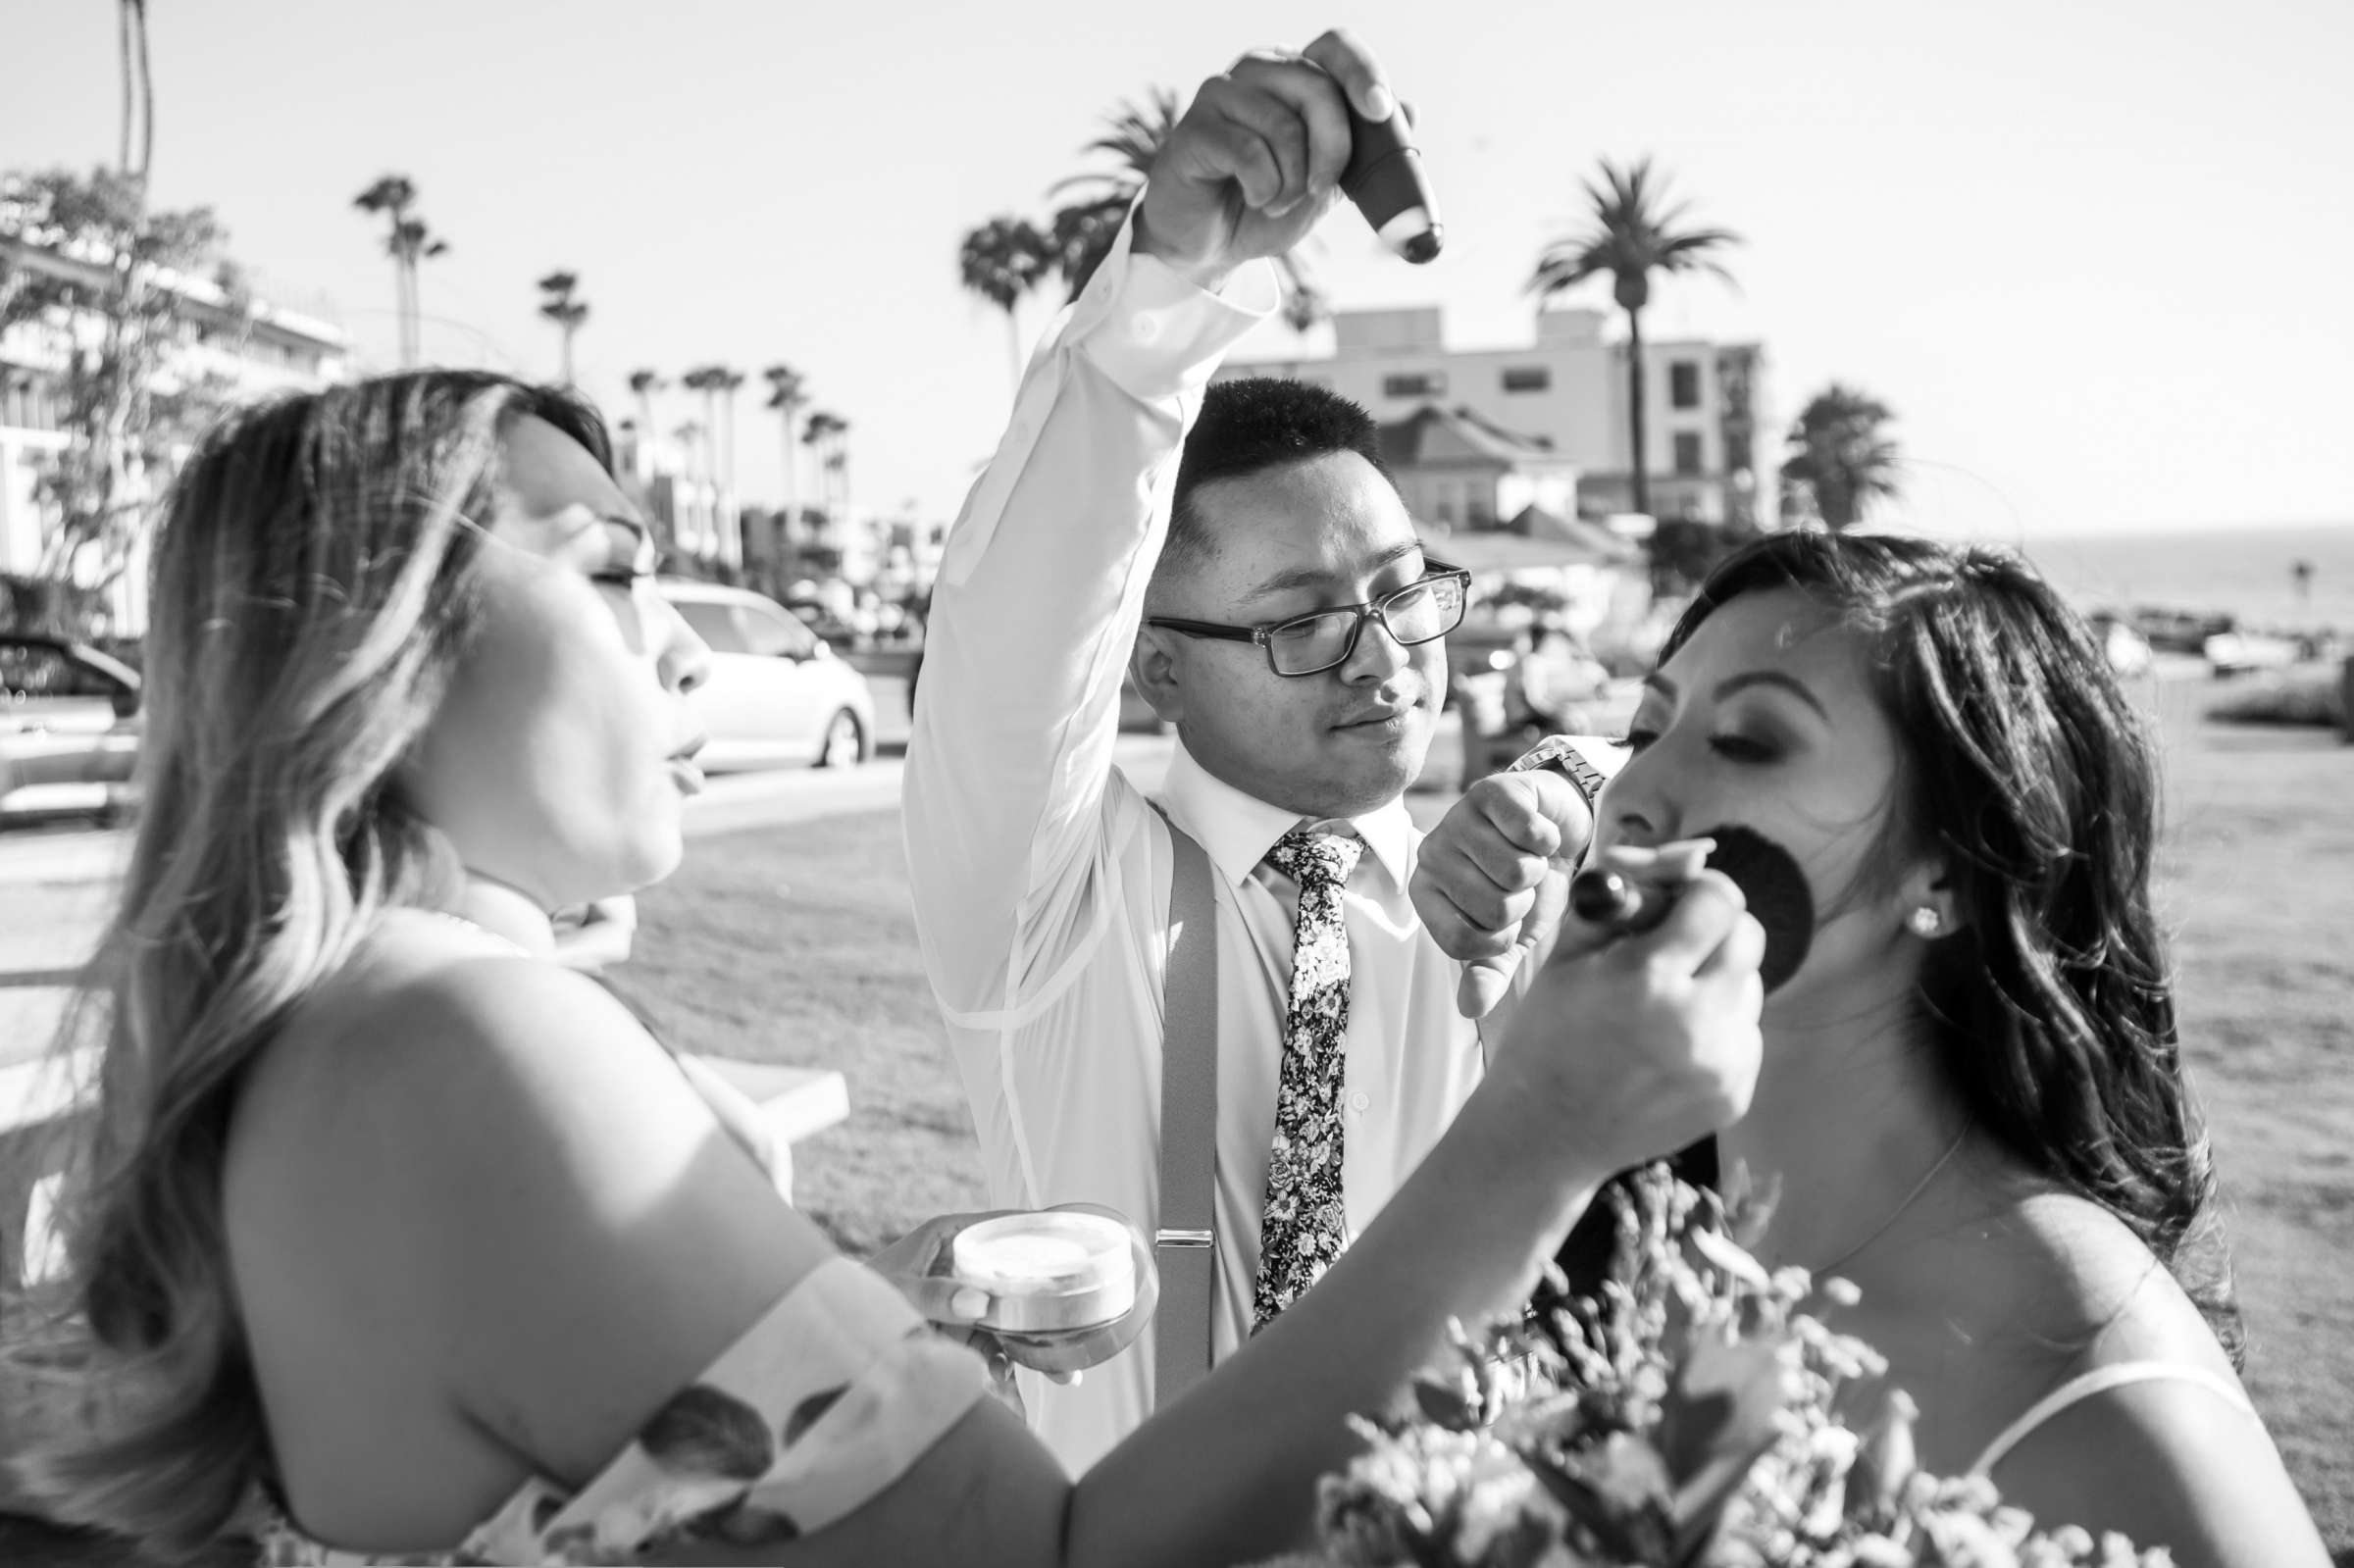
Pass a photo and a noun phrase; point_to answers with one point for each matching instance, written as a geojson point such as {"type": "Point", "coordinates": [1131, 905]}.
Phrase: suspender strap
{"type": "Point", "coordinates": [1184, 1247]}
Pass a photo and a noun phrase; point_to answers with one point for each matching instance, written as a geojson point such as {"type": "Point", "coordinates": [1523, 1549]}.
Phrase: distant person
{"type": "Point", "coordinates": [397, 1240]}
{"type": "Point", "coordinates": [1550, 677]}
{"type": "Point", "coordinates": [1241, 550]}
{"type": "Point", "coordinates": [1973, 1101]}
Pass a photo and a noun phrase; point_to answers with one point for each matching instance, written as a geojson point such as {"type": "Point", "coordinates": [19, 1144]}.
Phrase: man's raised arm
{"type": "Point", "coordinates": [1036, 607]}
{"type": "Point", "coordinates": [1042, 583]}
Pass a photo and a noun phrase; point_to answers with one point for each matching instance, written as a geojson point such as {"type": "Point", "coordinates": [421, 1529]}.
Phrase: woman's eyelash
{"type": "Point", "coordinates": [1733, 747]}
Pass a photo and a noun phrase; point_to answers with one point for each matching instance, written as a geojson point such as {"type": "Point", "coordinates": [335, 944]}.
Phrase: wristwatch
{"type": "Point", "coordinates": [1564, 755]}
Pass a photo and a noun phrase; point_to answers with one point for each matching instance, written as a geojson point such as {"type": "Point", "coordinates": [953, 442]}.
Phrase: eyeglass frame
{"type": "Point", "coordinates": [1433, 571]}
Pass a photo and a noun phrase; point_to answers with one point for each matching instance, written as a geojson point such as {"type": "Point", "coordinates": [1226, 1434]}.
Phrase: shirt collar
{"type": "Point", "coordinates": [1238, 830]}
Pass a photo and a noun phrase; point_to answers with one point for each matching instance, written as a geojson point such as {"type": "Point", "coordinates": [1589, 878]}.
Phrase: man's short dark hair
{"type": "Point", "coordinates": [1254, 424]}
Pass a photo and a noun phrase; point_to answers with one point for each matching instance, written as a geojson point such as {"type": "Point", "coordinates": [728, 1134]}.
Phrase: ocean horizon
{"type": "Point", "coordinates": [2244, 572]}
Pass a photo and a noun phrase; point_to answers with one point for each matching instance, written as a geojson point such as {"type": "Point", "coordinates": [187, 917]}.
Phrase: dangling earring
{"type": "Point", "coordinates": [1924, 922]}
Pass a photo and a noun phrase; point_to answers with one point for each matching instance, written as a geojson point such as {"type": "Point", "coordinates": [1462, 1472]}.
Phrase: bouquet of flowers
{"type": "Point", "coordinates": [1680, 1418]}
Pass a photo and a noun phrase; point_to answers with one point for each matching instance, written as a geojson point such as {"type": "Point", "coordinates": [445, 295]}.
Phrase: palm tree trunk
{"type": "Point", "coordinates": [792, 480]}
{"type": "Point", "coordinates": [710, 539]}
{"type": "Point", "coordinates": [123, 46]}
{"type": "Point", "coordinates": [1013, 347]}
{"type": "Point", "coordinates": [567, 353]}
{"type": "Point", "coordinates": [731, 527]}
{"type": "Point", "coordinates": [1634, 408]}
{"type": "Point", "coordinates": [146, 96]}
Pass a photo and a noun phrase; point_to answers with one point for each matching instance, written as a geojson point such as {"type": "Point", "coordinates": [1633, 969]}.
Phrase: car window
{"type": "Point", "coordinates": [775, 633]}
{"type": "Point", "coordinates": [715, 624]}
{"type": "Point", "coordinates": [31, 671]}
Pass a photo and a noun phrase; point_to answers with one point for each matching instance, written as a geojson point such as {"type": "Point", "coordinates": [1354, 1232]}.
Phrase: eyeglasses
{"type": "Point", "coordinates": [1429, 607]}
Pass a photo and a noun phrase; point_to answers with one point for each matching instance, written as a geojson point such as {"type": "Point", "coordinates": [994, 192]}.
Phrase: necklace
{"type": "Point", "coordinates": [1898, 1212]}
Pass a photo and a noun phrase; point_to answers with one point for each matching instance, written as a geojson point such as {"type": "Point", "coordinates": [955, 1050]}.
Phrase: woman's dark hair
{"type": "Point", "coordinates": [2052, 1007]}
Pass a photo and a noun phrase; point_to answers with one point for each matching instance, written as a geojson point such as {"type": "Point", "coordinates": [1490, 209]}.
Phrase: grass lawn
{"type": "Point", "coordinates": [796, 945]}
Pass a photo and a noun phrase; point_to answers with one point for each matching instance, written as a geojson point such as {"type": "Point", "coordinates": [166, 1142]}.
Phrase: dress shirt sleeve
{"type": "Point", "coordinates": [1033, 618]}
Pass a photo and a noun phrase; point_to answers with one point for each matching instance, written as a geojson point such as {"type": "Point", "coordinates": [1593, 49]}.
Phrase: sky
{"type": "Point", "coordinates": [2098, 257]}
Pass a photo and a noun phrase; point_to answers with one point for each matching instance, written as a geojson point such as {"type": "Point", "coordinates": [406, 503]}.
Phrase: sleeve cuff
{"type": "Point", "coordinates": [1155, 334]}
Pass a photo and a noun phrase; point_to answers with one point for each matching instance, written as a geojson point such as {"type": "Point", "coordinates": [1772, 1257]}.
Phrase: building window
{"type": "Point", "coordinates": [1683, 383]}
{"type": "Point", "coordinates": [1527, 379]}
{"type": "Point", "coordinates": [1421, 384]}
{"type": "Point", "coordinates": [1687, 454]}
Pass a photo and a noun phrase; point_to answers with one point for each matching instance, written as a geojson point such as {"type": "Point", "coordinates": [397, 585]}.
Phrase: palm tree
{"type": "Point", "coordinates": [1839, 452]}
{"type": "Point", "coordinates": [1002, 261]}
{"type": "Point", "coordinates": [643, 384]}
{"type": "Point", "coordinates": [409, 242]}
{"type": "Point", "coordinates": [823, 433]}
{"type": "Point", "coordinates": [564, 309]}
{"type": "Point", "coordinates": [706, 380]}
{"type": "Point", "coordinates": [1082, 229]}
{"type": "Point", "coordinates": [689, 508]}
{"type": "Point", "coordinates": [726, 379]}
{"type": "Point", "coordinates": [1632, 237]}
{"type": "Point", "coordinates": [131, 21]}
{"type": "Point", "coordinates": [788, 395]}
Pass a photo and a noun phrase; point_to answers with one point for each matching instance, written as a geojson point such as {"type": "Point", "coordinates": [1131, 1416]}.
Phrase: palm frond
{"type": "Point", "coordinates": [1133, 137]}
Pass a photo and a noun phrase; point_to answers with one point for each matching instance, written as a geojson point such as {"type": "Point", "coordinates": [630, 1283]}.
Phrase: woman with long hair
{"type": "Point", "coordinates": [393, 1235]}
{"type": "Point", "coordinates": [1973, 1099]}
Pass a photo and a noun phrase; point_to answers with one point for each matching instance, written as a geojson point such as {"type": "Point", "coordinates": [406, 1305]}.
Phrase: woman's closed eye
{"type": "Point", "coordinates": [1738, 747]}
{"type": "Point", "coordinates": [1733, 746]}
{"type": "Point", "coordinates": [631, 556]}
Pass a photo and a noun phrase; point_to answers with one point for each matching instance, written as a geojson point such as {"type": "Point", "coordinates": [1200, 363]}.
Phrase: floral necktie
{"type": "Point", "coordinates": [1304, 1223]}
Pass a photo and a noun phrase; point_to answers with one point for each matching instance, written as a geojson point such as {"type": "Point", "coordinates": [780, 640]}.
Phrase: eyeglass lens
{"type": "Point", "coordinates": [1417, 613]}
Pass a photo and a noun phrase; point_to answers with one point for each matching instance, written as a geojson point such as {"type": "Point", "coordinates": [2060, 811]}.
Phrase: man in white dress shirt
{"type": "Point", "coordinates": [1042, 875]}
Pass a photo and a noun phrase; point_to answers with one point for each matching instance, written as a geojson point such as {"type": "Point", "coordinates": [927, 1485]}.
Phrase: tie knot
{"type": "Point", "coordinates": [1316, 857]}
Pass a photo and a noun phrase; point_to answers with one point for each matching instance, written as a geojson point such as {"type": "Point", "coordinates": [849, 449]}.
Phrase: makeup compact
{"type": "Point", "coordinates": [1050, 1271]}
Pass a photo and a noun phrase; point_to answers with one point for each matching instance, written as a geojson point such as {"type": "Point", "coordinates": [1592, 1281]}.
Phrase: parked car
{"type": "Point", "coordinates": [69, 727]}
{"type": "Point", "coordinates": [777, 694]}
{"type": "Point", "coordinates": [2237, 652]}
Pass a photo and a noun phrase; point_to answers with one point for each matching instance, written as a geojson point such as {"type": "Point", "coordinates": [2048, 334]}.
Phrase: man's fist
{"type": "Point", "coordinates": [1257, 159]}
{"type": "Point", "coordinates": [1493, 877]}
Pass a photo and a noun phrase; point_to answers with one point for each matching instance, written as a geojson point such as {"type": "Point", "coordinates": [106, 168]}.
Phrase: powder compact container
{"type": "Point", "coordinates": [1055, 1271]}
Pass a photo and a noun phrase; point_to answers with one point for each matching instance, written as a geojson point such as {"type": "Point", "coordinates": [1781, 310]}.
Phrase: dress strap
{"type": "Point", "coordinates": [2100, 1380]}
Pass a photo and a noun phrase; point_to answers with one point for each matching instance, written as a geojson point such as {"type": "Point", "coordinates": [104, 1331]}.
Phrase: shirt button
{"type": "Point", "coordinates": [1145, 328]}
{"type": "Point", "coordinates": [1359, 1100]}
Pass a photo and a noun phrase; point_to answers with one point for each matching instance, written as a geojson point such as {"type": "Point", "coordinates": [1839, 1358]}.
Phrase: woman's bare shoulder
{"type": "Point", "coordinates": [2171, 1459]}
{"type": "Point", "coordinates": [502, 1141]}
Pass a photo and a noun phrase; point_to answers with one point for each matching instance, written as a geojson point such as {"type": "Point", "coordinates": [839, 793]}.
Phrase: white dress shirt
{"type": "Point", "coordinates": [1042, 875]}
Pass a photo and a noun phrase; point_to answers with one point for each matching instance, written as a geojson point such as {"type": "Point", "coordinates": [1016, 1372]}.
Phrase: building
{"type": "Point", "coordinates": [1458, 470]}
{"type": "Point", "coordinates": [1706, 432]}
{"type": "Point", "coordinates": [250, 347]}
{"type": "Point", "coordinates": [1503, 506]}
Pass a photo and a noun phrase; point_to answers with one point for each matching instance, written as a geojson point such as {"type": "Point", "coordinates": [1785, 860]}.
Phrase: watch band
{"type": "Point", "coordinates": [1561, 755]}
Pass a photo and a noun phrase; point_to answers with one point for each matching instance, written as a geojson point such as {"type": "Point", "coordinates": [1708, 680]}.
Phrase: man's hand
{"type": "Point", "coordinates": [919, 1264]}
{"type": "Point", "coordinates": [1493, 877]}
{"type": "Point", "coordinates": [1641, 1044]}
{"type": "Point", "coordinates": [1257, 159]}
